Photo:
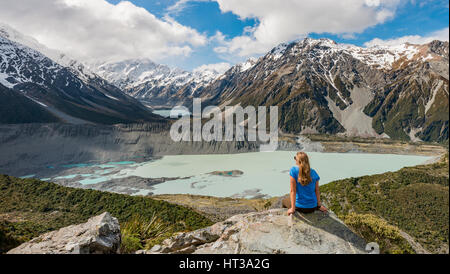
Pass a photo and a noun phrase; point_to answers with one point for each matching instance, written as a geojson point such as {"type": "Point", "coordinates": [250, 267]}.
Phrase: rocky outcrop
{"type": "Point", "coordinates": [267, 232]}
{"type": "Point", "coordinates": [100, 235]}
{"type": "Point", "coordinates": [219, 209]}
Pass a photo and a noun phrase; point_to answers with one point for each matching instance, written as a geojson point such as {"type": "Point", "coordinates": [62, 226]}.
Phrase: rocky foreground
{"type": "Point", "coordinates": [268, 232]}
{"type": "Point", "coordinates": [265, 232]}
{"type": "Point", "coordinates": [100, 235]}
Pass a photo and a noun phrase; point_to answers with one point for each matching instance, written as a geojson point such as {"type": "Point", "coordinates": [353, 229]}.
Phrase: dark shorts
{"type": "Point", "coordinates": [287, 204]}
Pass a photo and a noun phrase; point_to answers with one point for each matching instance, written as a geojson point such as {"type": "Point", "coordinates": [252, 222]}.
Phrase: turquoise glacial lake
{"type": "Point", "coordinates": [264, 173]}
{"type": "Point", "coordinates": [175, 112]}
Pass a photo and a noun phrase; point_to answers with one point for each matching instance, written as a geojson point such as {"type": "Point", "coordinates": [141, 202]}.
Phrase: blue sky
{"type": "Point", "coordinates": [206, 18]}
{"type": "Point", "coordinates": [411, 18]}
{"type": "Point", "coordinates": [217, 33]}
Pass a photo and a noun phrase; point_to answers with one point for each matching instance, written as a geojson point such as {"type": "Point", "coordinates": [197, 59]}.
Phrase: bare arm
{"type": "Point", "coordinates": [319, 203]}
{"type": "Point", "coordinates": [292, 194]}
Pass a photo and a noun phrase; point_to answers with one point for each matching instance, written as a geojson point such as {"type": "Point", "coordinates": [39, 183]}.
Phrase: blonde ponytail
{"type": "Point", "coordinates": [304, 172]}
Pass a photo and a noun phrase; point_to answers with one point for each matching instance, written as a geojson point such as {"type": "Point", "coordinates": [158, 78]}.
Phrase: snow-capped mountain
{"type": "Point", "coordinates": [324, 87]}
{"type": "Point", "coordinates": [250, 63]}
{"type": "Point", "coordinates": [319, 86]}
{"type": "Point", "coordinates": [61, 58]}
{"type": "Point", "coordinates": [151, 82]}
{"type": "Point", "coordinates": [67, 92]}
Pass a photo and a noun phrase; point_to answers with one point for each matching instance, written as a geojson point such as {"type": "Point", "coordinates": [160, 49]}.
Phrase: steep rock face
{"type": "Point", "coordinates": [268, 232]}
{"type": "Point", "coordinates": [100, 235]}
{"type": "Point", "coordinates": [414, 104]}
{"type": "Point", "coordinates": [16, 108]}
{"type": "Point", "coordinates": [63, 87]}
{"type": "Point", "coordinates": [324, 87]}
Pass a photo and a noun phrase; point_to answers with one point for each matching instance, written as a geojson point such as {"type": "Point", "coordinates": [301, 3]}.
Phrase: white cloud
{"type": "Point", "coordinates": [281, 21]}
{"type": "Point", "coordinates": [181, 5]}
{"type": "Point", "coordinates": [218, 68]}
{"type": "Point", "coordinates": [93, 30]}
{"type": "Point", "coordinates": [178, 6]}
{"type": "Point", "coordinates": [442, 35]}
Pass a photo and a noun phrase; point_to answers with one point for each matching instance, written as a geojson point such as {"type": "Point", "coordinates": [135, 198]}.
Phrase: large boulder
{"type": "Point", "coordinates": [268, 232]}
{"type": "Point", "coordinates": [100, 235]}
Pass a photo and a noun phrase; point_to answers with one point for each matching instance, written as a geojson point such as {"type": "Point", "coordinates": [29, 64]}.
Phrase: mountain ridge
{"type": "Point", "coordinates": [328, 88]}
{"type": "Point", "coordinates": [71, 93]}
{"type": "Point", "coordinates": [151, 82]}
{"type": "Point", "coordinates": [320, 86]}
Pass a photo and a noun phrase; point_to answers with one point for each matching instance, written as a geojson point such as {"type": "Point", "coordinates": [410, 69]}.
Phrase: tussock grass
{"type": "Point", "coordinates": [141, 233]}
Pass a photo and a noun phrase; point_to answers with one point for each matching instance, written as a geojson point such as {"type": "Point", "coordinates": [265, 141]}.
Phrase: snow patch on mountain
{"type": "Point", "coordinates": [210, 72]}
{"type": "Point", "coordinates": [250, 63]}
{"type": "Point", "coordinates": [143, 76]}
{"type": "Point", "coordinates": [382, 57]}
{"type": "Point", "coordinates": [13, 72]}
{"type": "Point", "coordinates": [278, 51]}
{"type": "Point", "coordinates": [60, 58]}
{"type": "Point", "coordinates": [4, 81]}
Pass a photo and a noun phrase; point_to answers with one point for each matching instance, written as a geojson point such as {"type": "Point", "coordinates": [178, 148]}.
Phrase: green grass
{"type": "Point", "coordinates": [141, 233]}
{"type": "Point", "coordinates": [375, 229]}
{"type": "Point", "coordinates": [31, 207]}
{"type": "Point", "coordinates": [414, 199]}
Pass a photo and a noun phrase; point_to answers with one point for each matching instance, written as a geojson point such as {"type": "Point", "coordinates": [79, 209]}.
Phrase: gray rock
{"type": "Point", "coordinates": [156, 248]}
{"type": "Point", "coordinates": [269, 232]}
{"type": "Point", "coordinates": [99, 235]}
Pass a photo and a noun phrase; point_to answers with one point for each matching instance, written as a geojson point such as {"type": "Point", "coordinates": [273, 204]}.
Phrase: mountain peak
{"type": "Point", "coordinates": [145, 79]}
{"type": "Point", "coordinates": [56, 56]}
{"type": "Point", "coordinates": [320, 41]}
{"type": "Point", "coordinates": [67, 92]}
{"type": "Point", "coordinates": [250, 63]}
{"type": "Point", "coordinates": [377, 56]}
{"type": "Point", "coordinates": [8, 32]}
{"type": "Point", "coordinates": [300, 45]}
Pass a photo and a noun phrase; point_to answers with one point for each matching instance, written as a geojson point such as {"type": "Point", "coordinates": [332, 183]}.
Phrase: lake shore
{"type": "Point", "coordinates": [67, 154]}
{"type": "Point", "coordinates": [408, 196]}
{"type": "Point", "coordinates": [368, 145]}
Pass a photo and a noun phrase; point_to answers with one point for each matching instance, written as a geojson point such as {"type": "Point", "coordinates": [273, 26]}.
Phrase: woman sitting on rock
{"type": "Point", "coordinates": [305, 194]}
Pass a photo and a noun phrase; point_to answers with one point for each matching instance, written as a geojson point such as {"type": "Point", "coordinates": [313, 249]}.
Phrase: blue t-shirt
{"type": "Point", "coordinates": [306, 195]}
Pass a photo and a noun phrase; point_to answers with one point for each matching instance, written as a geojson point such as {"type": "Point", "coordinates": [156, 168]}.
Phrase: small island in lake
{"type": "Point", "coordinates": [232, 173]}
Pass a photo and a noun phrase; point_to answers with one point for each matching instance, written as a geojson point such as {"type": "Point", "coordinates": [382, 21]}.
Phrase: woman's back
{"type": "Point", "coordinates": [306, 195]}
